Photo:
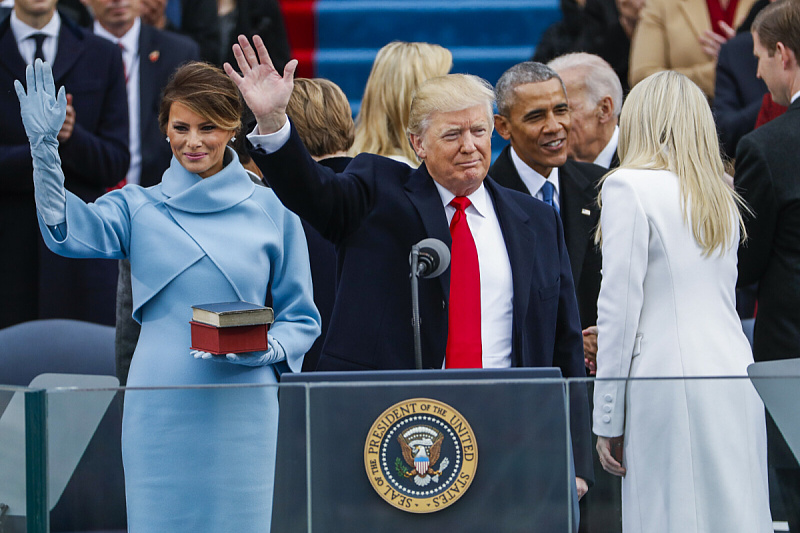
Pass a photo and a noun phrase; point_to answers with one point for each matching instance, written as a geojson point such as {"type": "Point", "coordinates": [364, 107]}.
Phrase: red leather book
{"type": "Point", "coordinates": [233, 339]}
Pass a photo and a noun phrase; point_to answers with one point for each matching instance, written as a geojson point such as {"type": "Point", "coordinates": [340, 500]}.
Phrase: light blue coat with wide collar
{"type": "Point", "coordinates": [199, 459]}
{"type": "Point", "coordinates": [243, 229]}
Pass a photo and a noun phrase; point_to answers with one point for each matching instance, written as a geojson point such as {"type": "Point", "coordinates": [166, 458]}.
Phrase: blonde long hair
{"type": "Point", "coordinates": [666, 124]}
{"type": "Point", "coordinates": [399, 69]}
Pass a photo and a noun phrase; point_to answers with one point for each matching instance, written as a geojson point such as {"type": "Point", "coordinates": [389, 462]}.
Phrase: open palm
{"type": "Point", "coordinates": [264, 90]}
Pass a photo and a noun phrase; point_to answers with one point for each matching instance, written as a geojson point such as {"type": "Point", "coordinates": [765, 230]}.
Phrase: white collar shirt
{"type": "Point", "coordinates": [534, 181]}
{"type": "Point", "coordinates": [27, 46]}
{"type": "Point", "coordinates": [129, 44]}
{"type": "Point", "coordinates": [795, 96]}
{"type": "Point", "coordinates": [497, 288]}
{"type": "Point", "coordinates": [607, 154]}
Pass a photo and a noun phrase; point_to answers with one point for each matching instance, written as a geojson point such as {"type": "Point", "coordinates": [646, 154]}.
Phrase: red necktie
{"type": "Point", "coordinates": [464, 316]}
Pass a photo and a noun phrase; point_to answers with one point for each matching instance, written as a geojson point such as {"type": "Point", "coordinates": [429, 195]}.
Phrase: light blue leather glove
{"type": "Point", "coordinates": [273, 354]}
{"type": "Point", "coordinates": [43, 113]}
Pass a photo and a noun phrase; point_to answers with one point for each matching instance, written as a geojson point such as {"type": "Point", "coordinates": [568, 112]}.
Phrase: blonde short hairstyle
{"type": "Point", "coordinates": [321, 114]}
{"type": "Point", "coordinates": [453, 92]}
{"type": "Point", "coordinates": [398, 70]}
{"type": "Point", "coordinates": [666, 124]}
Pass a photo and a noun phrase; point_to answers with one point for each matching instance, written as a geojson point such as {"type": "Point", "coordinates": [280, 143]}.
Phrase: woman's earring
{"type": "Point", "coordinates": [167, 139]}
{"type": "Point", "coordinates": [233, 139]}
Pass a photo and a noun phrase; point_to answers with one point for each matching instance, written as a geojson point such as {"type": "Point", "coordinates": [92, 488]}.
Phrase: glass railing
{"type": "Point", "coordinates": [21, 417]}
{"type": "Point", "coordinates": [399, 452]}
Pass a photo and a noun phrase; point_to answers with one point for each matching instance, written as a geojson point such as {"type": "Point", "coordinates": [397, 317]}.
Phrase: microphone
{"type": "Point", "coordinates": [429, 258]}
{"type": "Point", "coordinates": [434, 257]}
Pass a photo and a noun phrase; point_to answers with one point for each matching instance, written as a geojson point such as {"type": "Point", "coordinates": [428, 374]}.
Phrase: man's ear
{"type": "Point", "coordinates": [503, 127]}
{"type": "Point", "coordinates": [788, 59]}
{"type": "Point", "coordinates": [605, 110]}
{"type": "Point", "coordinates": [416, 144]}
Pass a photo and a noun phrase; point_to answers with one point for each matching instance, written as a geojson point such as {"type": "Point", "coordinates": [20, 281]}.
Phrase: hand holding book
{"type": "Point", "coordinates": [272, 355]}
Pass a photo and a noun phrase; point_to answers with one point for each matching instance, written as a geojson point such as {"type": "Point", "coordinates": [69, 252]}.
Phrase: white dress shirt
{"type": "Point", "coordinates": [534, 181]}
{"type": "Point", "coordinates": [130, 56]}
{"type": "Point", "coordinates": [27, 46]}
{"type": "Point", "coordinates": [795, 96]}
{"type": "Point", "coordinates": [607, 154]}
{"type": "Point", "coordinates": [497, 289]}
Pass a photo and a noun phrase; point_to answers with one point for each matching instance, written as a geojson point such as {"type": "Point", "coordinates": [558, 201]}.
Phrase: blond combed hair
{"type": "Point", "coordinates": [444, 94]}
{"type": "Point", "coordinates": [666, 124]}
{"type": "Point", "coordinates": [398, 70]}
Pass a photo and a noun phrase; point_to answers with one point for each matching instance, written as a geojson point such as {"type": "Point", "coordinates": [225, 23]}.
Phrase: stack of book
{"type": "Point", "coordinates": [230, 327]}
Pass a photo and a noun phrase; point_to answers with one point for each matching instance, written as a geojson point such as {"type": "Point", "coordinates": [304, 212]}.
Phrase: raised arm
{"type": "Point", "coordinates": [43, 112]}
{"type": "Point", "coordinates": [264, 90]}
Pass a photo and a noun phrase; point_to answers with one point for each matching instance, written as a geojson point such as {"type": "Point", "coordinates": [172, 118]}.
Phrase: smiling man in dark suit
{"type": "Point", "coordinates": [509, 280]}
{"type": "Point", "coordinates": [534, 115]}
{"type": "Point", "coordinates": [767, 163]}
{"type": "Point", "coordinates": [93, 146]}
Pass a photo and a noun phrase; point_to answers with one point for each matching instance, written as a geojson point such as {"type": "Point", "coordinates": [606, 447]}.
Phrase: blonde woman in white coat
{"type": "Point", "coordinates": [692, 451]}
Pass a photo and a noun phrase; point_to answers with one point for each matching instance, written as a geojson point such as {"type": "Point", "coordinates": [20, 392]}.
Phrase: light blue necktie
{"type": "Point", "coordinates": [548, 189]}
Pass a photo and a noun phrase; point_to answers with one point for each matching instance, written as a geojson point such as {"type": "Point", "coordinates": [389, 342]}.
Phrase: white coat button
{"type": "Point", "coordinates": [606, 408]}
{"type": "Point", "coordinates": [606, 419]}
{"type": "Point", "coordinates": [607, 397]}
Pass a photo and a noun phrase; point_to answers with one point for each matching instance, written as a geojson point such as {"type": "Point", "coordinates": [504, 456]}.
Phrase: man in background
{"type": "Point", "coordinates": [534, 115]}
{"type": "Point", "coordinates": [767, 163]}
{"type": "Point", "coordinates": [93, 145]}
{"type": "Point", "coordinates": [594, 93]}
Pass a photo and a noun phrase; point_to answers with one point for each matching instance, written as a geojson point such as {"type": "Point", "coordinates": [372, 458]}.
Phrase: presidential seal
{"type": "Point", "coordinates": [421, 455]}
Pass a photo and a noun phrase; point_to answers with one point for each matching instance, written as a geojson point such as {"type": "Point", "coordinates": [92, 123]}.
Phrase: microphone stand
{"type": "Point", "coordinates": [415, 318]}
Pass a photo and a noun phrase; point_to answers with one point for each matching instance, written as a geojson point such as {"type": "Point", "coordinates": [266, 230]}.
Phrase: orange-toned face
{"type": "Point", "coordinates": [197, 143]}
{"type": "Point", "coordinates": [457, 148]}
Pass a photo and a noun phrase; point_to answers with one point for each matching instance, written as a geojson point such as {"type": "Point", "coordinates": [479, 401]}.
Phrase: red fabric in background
{"type": "Point", "coordinates": [717, 14]}
{"type": "Point", "coordinates": [769, 110]}
{"type": "Point", "coordinates": [301, 28]}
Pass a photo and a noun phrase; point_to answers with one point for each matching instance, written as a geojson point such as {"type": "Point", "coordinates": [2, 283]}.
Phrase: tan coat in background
{"type": "Point", "coordinates": [666, 38]}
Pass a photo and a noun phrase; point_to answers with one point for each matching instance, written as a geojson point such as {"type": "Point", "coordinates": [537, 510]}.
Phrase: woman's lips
{"type": "Point", "coordinates": [195, 156]}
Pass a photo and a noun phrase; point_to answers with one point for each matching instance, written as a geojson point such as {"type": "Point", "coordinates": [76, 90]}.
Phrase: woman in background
{"type": "Point", "coordinates": [692, 452]}
{"type": "Point", "coordinates": [398, 70]}
{"type": "Point", "coordinates": [684, 36]}
{"type": "Point", "coordinates": [196, 459]}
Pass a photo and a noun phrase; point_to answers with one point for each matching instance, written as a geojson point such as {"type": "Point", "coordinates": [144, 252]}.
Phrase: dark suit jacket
{"type": "Point", "coordinates": [738, 92]}
{"type": "Point", "coordinates": [767, 162]}
{"type": "Point", "coordinates": [95, 157]}
{"type": "Point", "coordinates": [374, 212]}
{"type": "Point", "coordinates": [577, 194]}
{"type": "Point", "coordinates": [160, 53]}
{"type": "Point", "coordinates": [766, 175]}
{"type": "Point", "coordinates": [322, 255]}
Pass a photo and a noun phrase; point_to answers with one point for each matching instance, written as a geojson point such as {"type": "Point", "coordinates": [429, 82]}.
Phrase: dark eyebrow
{"type": "Point", "coordinates": [533, 113]}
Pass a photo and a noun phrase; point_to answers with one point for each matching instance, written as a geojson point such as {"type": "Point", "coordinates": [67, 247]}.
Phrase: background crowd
{"type": "Point", "coordinates": [697, 191]}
